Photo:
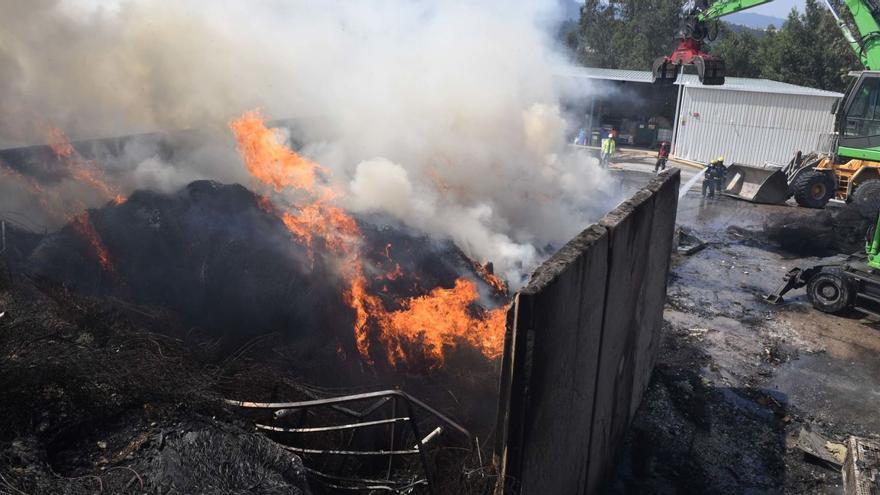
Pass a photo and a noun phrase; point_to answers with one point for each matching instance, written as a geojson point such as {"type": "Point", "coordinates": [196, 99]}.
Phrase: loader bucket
{"type": "Point", "coordinates": [767, 184]}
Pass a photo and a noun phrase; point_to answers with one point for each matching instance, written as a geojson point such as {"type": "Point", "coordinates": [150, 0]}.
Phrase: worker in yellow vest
{"type": "Point", "coordinates": [609, 146]}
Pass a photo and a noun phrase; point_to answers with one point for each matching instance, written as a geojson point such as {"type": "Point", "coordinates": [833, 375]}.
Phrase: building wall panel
{"type": "Point", "coordinates": [750, 127]}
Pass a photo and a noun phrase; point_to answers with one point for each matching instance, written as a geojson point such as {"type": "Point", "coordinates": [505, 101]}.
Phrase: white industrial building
{"type": "Point", "coordinates": [749, 121]}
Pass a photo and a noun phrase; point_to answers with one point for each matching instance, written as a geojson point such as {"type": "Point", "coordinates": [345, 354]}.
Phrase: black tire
{"type": "Point", "coordinates": [866, 198]}
{"type": "Point", "coordinates": [813, 188]}
{"type": "Point", "coordinates": [831, 291]}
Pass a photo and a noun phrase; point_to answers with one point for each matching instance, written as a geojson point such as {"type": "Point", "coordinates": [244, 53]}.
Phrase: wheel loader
{"type": "Point", "coordinates": [849, 169]}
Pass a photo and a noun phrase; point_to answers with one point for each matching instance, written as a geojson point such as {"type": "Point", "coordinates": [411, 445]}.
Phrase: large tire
{"type": "Point", "coordinates": [831, 291]}
{"type": "Point", "coordinates": [866, 198]}
{"type": "Point", "coordinates": [813, 188]}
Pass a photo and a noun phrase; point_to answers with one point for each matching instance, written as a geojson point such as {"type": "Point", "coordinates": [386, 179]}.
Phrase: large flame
{"type": "Point", "coordinates": [87, 172]}
{"type": "Point", "coordinates": [82, 224]}
{"type": "Point", "coordinates": [443, 317]}
{"type": "Point", "coordinates": [439, 319]}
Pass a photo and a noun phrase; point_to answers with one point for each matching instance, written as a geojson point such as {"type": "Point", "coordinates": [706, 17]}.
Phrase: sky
{"type": "Point", "coordinates": [779, 8]}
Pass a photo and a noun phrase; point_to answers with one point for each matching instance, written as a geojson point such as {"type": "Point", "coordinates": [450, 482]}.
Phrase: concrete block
{"type": "Point", "coordinates": [635, 295]}
{"type": "Point", "coordinates": [544, 422]}
{"type": "Point", "coordinates": [581, 341]}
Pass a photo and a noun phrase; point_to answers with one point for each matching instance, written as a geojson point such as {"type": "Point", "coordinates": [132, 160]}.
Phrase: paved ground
{"type": "Point", "coordinates": [738, 378]}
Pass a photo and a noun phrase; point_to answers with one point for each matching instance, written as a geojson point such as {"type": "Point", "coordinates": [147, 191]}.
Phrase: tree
{"type": "Point", "coordinates": [739, 50]}
{"type": "Point", "coordinates": [595, 32]}
{"type": "Point", "coordinates": [629, 34]}
{"type": "Point", "coordinates": [809, 50]}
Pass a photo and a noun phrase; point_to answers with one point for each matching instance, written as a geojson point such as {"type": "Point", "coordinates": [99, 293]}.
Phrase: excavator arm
{"type": "Point", "coordinates": [864, 15]}
{"type": "Point", "coordinates": [695, 30]}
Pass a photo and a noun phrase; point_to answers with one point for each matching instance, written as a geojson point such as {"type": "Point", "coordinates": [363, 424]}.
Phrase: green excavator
{"type": "Point", "coordinates": [853, 283]}
{"type": "Point", "coordinates": [848, 171]}
{"type": "Point", "coordinates": [849, 167]}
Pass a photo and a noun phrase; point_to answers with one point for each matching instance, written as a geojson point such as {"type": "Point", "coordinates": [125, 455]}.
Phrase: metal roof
{"type": "Point", "coordinates": [691, 80]}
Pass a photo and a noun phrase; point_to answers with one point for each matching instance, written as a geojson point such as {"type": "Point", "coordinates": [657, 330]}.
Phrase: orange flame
{"type": "Point", "coordinates": [79, 168]}
{"type": "Point", "coordinates": [82, 224]}
{"type": "Point", "coordinates": [268, 160]}
{"type": "Point", "coordinates": [87, 172]}
{"type": "Point", "coordinates": [490, 278]}
{"type": "Point", "coordinates": [442, 317]}
{"type": "Point", "coordinates": [438, 319]}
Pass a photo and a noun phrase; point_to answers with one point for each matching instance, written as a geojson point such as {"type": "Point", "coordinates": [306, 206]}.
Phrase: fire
{"type": "Point", "coordinates": [268, 160]}
{"type": "Point", "coordinates": [77, 168]}
{"type": "Point", "coordinates": [441, 318]}
{"type": "Point", "coordinates": [85, 171]}
{"type": "Point", "coordinates": [81, 170]}
{"type": "Point", "coordinates": [272, 163]}
{"type": "Point", "coordinates": [485, 272]}
{"type": "Point", "coordinates": [444, 316]}
{"type": "Point", "coordinates": [82, 224]}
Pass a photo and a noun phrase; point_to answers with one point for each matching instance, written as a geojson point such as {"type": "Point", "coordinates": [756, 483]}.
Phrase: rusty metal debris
{"type": "Point", "coordinates": [861, 469]}
{"type": "Point", "coordinates": [410, 405]}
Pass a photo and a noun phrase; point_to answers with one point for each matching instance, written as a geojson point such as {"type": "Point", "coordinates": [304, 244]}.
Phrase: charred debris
{"type": "Point", "coordinates": [125, 333]}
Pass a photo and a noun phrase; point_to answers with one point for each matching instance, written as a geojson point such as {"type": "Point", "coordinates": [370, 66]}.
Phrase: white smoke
{"type": "Point", "coordinates": [444, 113]}
{"type": "Point", "coordinates": [380, 185]}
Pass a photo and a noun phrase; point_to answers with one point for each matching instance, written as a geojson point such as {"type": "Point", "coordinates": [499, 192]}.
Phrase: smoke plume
{"type": "Point", "coordinates": [446, 114]}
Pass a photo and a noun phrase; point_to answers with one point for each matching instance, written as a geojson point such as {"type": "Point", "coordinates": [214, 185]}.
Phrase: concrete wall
{"type": "Point", "coordinates": [581, 342]}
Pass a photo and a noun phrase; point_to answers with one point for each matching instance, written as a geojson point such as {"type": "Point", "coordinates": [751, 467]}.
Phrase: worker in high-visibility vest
{"type": "Point", "coordinates": [609, 146]}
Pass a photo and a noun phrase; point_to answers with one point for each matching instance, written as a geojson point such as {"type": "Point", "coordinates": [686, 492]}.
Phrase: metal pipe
{"type": "Point", "coordinates": [421, 449]}
{"type": "Point", "coordinates": [391, 437]}
{"type": "Point", "coordinates": [344, 410]}
{"type": "Point", "coordinates": [677, 123]}
{"type": "Point", "coordinates": [438, 430]}
{"type": "Point", "coordinates": [299, 450]}
{"type": "Point", "coordinates": [330, 428]}
{"type": "Point", "coordinates": [351, 398]}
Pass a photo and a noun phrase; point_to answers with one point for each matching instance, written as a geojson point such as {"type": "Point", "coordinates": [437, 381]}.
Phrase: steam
{"type": "Point", "coordinates": [444, 113]}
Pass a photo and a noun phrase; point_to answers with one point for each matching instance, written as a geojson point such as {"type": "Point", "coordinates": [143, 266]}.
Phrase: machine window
{"type": "Point", "coordinates": [863, 118]}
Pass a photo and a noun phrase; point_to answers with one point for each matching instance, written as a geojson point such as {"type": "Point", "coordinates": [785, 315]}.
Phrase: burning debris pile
{"type": "Point", "coordinates": [315, 220]}
{"type": "Point", "coordinates": [165, 288]}
{"type": "Point", "coordinates": [293, 261]}
{"type": "Point", "coordinates": [363, 262]}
